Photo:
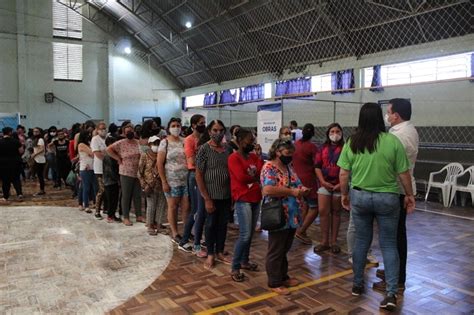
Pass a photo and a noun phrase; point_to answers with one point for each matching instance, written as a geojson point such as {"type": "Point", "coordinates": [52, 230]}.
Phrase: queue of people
{"type": "Point", "coordinates": [203, 177]}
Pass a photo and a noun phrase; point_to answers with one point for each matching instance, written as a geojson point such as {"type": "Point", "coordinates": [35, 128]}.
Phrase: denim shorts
{"type": "Point", "coordinates": [177, 192]}
{"type": "Point", "coordinates": [312, 203]}
{"type": "Point", "coordinates": [324, 191]}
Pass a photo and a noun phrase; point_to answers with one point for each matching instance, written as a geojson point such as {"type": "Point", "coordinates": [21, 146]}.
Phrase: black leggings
{"type": "Point", "coordinates": [39, 169]}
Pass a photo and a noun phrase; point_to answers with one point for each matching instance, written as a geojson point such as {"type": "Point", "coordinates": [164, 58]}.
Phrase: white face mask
{"type": "Point", "coordinates": [175, 131]}
{"type": "Point", "coordinates": [286, 138]}
{"type": "Point", "coordinates": [335, 137]}
{"type": "Point", "coordinates": [102, 133]}
{"type": "Point", "coordinates": [52, 133]}
{"type": "Point", "coordinates": [154, 148]}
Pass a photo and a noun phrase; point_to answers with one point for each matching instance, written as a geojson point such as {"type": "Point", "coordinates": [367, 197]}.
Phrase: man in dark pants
{"type": "Point", "coordinates": [398, 116]}
{"type": "Point", "coordinates": [10, 162]}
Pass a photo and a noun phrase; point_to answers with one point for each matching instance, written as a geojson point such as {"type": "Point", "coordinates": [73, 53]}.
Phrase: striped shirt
{"type": "Point", "coordinates": [213, 165]}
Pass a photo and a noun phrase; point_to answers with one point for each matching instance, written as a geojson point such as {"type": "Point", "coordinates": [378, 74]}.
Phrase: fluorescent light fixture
{"type": "Point", "coordinates": [188, 24]}
{"type": "Point", "coordinates": [127, 50]}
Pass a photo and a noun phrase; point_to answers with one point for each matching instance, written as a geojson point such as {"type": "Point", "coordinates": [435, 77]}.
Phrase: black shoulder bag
{"type": "Point", "coordinates": [272, 215]}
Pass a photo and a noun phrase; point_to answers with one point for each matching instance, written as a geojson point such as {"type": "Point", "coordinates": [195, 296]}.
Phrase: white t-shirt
{"type": "Point", "coordinates": [98, 144]}
{"type": "Point", "coordinates": [40, 157]}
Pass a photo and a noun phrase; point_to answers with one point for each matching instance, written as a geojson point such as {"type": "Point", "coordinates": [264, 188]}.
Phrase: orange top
{"type": "Point", "coordinates": [190, 150]}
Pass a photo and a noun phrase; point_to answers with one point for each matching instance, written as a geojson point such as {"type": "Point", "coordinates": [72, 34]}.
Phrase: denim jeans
{"type": "Point", "coordinates": [385, 208]}
{"type": "Point", "coordinates": [88, 186]}
{"type": "Point", "coordinates": [247, 214]}
{"type": "Point", "coordinates": [193, 198]}
{"type": "Point", "coordinates": [216, 226]}
{"type": "Point", "coordinates": [351, 236]}
{"type": "Point", "coordinates": [200, 220]}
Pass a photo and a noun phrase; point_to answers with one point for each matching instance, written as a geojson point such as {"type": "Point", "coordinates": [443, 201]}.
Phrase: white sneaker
{"type": "Point", "coordinates": [350, 260]}
{"type": "Point", "coordinates": [371, 259]}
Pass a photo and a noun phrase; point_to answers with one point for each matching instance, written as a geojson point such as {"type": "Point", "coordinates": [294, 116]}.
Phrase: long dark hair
{"type": "Point", "coordinates": [328, 141]}
{"type": "Point", "coordinates": [84, 137]}
{"type": "Point", "coordinates": [36, 139]}
{"type": "Point", "coordinates": [371, 124]}
{"type": "Point", "coordinates": [205, 137]}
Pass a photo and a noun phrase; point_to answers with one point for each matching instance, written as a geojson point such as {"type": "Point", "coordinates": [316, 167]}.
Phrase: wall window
{"type": "Point", "coordinates": [433, 69]}
{"type": "Point", "coordinates": [321, 83]}
{"type": "Point", "coordinates": [267, 90]}
{"type": "Point", "coordinates": [195, 100]}
{"type": "Point", "coordinates": [67, 60]}
{"type": "Point", "coordinates": [67, 23]}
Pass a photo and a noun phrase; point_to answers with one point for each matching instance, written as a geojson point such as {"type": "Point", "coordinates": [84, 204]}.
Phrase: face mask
{"type": "Point", "coordinates": [200, 128]}
{"type": "Point", "coordinates": [130, 135]}
{"type": "Point", "coordinates": [286, 159]}
{"type": "Point", "coordinates": [52, 134]}
{"type": "Point", "coordinates": [175, 131]}
{"type": "Point", "coordinates": [217, 138]}
{"type": "Point", "coordinates": [385, 117]}
{"type": "Point", "coordinates": [307, 135]}
{"type": "Point", "coordinates": [249, 148]}
{"type": "Point", "coordinates": [102, 133]}
{"type": "Point", "coordinates": [285, 137]}
{"type": "Point", "coordinates": [154, 148]}
{"type": "Point", "coordinates": [334, 137]}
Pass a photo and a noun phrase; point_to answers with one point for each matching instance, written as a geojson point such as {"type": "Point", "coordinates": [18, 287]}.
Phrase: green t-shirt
{"type": "Point", "coordinates": [376, 171]}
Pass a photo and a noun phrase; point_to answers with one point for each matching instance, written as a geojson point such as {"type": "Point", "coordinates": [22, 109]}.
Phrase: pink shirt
{"type": "Point", "coordinates": [190, 150]}
{"type": "Point", "coordinates": [129, 152]}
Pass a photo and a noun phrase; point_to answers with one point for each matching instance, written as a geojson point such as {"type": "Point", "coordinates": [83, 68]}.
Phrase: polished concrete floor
{"type": "Point", "coordinates": [58, 260]}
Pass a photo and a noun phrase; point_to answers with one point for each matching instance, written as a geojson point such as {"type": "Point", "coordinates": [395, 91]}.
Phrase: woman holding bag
{"type": "Point", "coordinates": [279, 181]}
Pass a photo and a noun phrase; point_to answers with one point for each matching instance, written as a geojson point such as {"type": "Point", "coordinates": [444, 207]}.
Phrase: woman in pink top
{"type": "Point", "coordinates": [127, 154]}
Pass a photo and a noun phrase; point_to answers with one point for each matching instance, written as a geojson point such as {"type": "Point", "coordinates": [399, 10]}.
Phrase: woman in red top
{"type": "Point", "coordinates": [329, 194]}
{"type": "Point", "coordinates": [244, 169]}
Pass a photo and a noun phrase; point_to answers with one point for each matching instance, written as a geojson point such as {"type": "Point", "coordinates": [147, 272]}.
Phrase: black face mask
{"type": "Point", "coordinates": [249, 148]}
{"type": "Point", "coordinates": [200, 128]}
{"type": "Point", "coordinates": [286, 159]}
{"type": "Point", "coordinates": [156, 131]}
{"type": "Point", "coordinates": [130, 135]}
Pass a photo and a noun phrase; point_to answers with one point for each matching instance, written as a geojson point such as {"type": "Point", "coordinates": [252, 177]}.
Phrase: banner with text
{"type": "Point", "coordinates": [269, 124]}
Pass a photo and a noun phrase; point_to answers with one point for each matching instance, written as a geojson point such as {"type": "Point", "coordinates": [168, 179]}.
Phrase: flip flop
{"type": "Point", "coordinates": [321, 248]}
{"type": "Point", "coordinates": [208, 266]}
{"type": "Point", "coordinates": [224, 260]}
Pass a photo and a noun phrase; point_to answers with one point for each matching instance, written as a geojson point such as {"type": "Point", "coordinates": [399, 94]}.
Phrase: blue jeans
{"type": "Point", "coordinates": [88, 186]}
{"type": "Point", "coordinates": [385, 208]}
{"type": "Point", "coordinates": [247, 214]}
{"type": "Point", "coordinates": [194, 194]}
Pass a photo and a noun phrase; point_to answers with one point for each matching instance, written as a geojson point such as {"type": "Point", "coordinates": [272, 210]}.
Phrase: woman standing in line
{"type": "Point", "coordinates": [39, 158]}
{"type": "Point", "coordinates": [86, 168]}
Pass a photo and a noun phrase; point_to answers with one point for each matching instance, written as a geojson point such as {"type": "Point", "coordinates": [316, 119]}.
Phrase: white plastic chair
{"type": "Point", "coordinates": [469, 188]}
{"type": "Point", "coordinates": [452, 169]}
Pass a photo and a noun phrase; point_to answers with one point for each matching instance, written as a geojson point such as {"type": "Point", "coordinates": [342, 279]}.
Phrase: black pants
{"type": "Point", "coordinates": [279, 243]}
{"type": "Point", "coordinates": [111, 199]}
{"type": "Point", "coordinates": [402, 242]}
{"type": "Point", "coordinates": [63, 166]}
{"type": "Point", "coordinates": [10, 175]}
{"type": "Point", "coordinates": [216, 226]}
{"type": "Point", "coordinates": [39, 169]}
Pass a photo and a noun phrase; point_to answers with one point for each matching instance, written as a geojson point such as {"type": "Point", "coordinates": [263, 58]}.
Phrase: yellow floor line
{"type": "Point", "coordinates": [273, 294]}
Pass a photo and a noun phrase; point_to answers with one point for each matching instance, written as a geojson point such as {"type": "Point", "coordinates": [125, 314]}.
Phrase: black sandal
{"type": "Point", "coordinates": [335, 249]}
{"type": "Point", "coordinates": [237, 276]}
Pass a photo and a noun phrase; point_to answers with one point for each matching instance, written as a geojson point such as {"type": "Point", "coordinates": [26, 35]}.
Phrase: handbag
{"type": "Point", "coordinates": [272, 215]}
{"type": "Point", "coordinates": [71, 178]}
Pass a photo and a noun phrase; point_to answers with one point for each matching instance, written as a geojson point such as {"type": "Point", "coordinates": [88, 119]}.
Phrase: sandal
{"type": "Point", "coordinates": [249, 266]}
{"type": "Point", "coordinates": [209, 266]}
{"type": "Point", "coordinates": [224, 260]}
{"type": "Point", "coordinates": [152, 232]}
{"type": "Point", "coordinates": [281, 291]}
{"type": "Point", "coordinates": [321, 248]}
{"type": "Point", "coordinates": [127, 222]}
{"type": "Point", "coordinates": [237, 276]}
{"type": "Point", "coordinates": [335, 249]}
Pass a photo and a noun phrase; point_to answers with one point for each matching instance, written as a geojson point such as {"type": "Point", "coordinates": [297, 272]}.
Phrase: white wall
{"type": "Point", "coordinates": [434, 104]}
{"type": "Point", "coordinates": [26, 73]}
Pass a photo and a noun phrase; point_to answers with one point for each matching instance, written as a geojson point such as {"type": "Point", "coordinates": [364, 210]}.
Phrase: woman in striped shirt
{"type": "Point", "coordinates": [213, 180]}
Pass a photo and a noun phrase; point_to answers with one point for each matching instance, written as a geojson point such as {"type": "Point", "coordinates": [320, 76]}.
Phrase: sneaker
{"type": "Point", "coordinates": [40, 193]}
{"type": "Point", "coordinates": [350, 260]}
{"type": "Point", "coordinates": [371, 259]}
{"type": "Point", "coordinates": [357, 290]}
{"type": "Point", "coordinates": [199, 252]}
{"type": "Point", "coordinates": [20, 197]}
{"type": "Point", "coordinates": [87, 210]}
{"type": "Point", "coordinates": [389, 303]}
{"type": "Point", "coordinates": [117, 219]}
{"type": "Point", "coordinates": [98, 216]}
{"type": "Point", "coordinates": [187, 248]}
{"type": "Point", "coordinates": [176, 239]}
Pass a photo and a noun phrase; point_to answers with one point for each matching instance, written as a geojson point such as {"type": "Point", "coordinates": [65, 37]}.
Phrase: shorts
{"type": "Point", "coordinates": [312, 203]}
{"type": "Point", "coordinates": [177, 192]}
{"type": "Point", "coordinates": [324, 191]}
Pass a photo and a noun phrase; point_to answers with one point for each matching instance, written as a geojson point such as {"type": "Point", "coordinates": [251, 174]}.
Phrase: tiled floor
{"type": "Point", "coordinates": [440, 274]}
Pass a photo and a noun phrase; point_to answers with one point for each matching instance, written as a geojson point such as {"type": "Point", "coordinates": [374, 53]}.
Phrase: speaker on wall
{"type": "Point", "coordinates": [48, 97]}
